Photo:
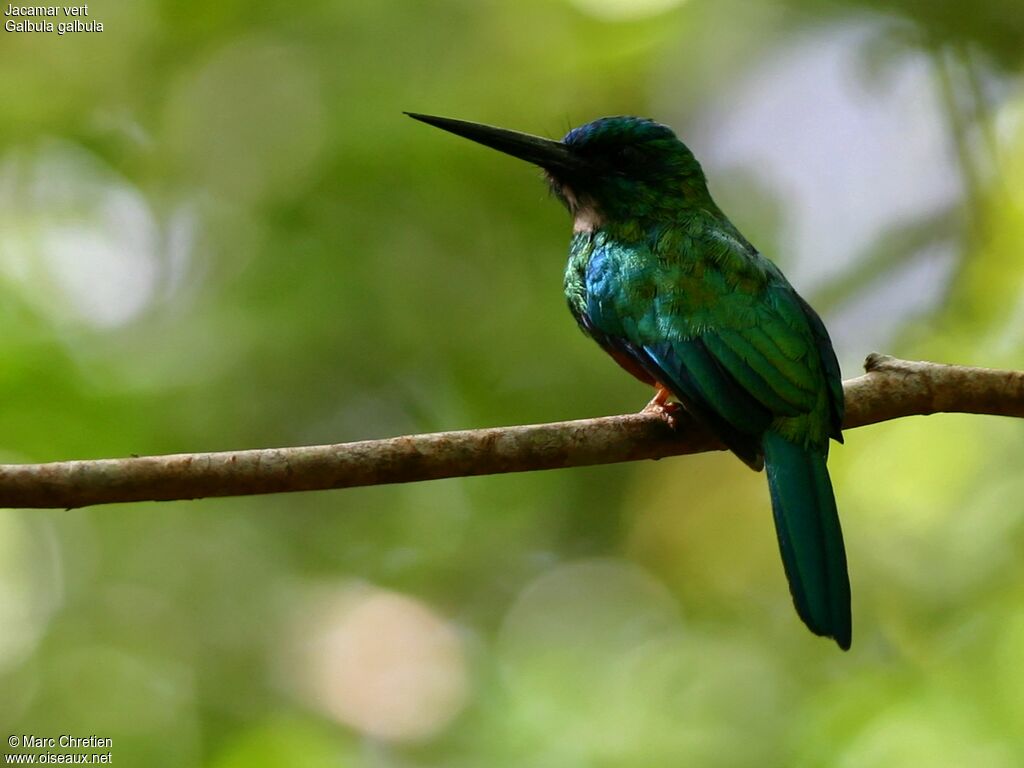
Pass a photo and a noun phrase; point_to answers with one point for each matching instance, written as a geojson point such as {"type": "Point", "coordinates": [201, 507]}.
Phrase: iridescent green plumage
{"type": "Point", "coordinates": [662, 280]}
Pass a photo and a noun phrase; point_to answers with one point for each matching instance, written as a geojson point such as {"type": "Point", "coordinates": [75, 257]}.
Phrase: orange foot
{"type": "Point", "coordinates": [662, 407]}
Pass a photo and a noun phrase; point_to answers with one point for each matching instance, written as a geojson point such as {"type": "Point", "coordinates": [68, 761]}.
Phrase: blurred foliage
{"type": "Point", "coordinates": [218, 231]}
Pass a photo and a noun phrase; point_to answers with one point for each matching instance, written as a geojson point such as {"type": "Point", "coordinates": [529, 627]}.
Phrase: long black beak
{"type": "Point", "coordinates": [550, 155]}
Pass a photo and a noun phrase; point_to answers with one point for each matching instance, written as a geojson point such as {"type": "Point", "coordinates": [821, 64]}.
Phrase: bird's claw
{"type": "Point", "coordinates": [660, 406]}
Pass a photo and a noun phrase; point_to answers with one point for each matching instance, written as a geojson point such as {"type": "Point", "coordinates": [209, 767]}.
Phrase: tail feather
{"type": "Point", "coordinates": [810, 539]}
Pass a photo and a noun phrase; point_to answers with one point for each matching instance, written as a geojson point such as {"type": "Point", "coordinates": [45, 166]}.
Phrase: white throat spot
{"type": "Point", "coordinates": [587, 219]}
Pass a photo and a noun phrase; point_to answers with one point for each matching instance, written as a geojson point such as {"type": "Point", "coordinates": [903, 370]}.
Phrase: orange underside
{"type": "Point", "coordinates": [630, 365]}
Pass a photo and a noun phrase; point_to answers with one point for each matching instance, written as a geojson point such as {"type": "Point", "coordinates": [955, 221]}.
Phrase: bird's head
{"type": "Point", "coordinates": [615, 169]}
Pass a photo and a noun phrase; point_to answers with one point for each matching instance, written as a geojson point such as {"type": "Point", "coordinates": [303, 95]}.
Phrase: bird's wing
{"type": "Point", "coordinates": [827, 355]}
{"type": "Point", "coordinates": [738, 356]}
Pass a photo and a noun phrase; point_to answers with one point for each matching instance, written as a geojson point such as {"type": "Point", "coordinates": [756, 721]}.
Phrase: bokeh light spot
{"type": "Point", "coordinates": [621, 10]}
{"type": "Point", "coordinates": [386, 665]}
{"type": "Point", "coordinates": [29, 587]}
{"type": "Point", "coordinates": [250, 121]}
{"type": "Point", "coordinates": [81, 242]}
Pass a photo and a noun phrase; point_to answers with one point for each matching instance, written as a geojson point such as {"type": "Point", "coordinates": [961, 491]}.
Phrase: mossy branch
{"type": "Point", "coordinates": [890, 389]}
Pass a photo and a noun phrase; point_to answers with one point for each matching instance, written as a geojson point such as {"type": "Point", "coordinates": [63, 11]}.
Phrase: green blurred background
{"type": "Point", "coordinates": [218, 231]}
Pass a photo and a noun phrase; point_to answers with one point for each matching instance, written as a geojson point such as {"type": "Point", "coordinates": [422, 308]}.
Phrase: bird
{"type": "Point", "coordinates": [664, 282]}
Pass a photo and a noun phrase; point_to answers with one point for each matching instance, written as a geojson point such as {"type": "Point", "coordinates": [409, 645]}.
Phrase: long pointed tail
{"type": "Point", "coordinates": [810, 538]}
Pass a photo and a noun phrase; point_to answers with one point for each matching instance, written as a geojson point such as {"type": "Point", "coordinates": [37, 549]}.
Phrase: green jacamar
{"type": "Point", "coordinates": [663, 281]}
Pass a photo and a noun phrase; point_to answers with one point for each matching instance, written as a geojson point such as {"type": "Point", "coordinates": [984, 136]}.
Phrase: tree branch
{"type": "Point", "coordinates": [890, 389]}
